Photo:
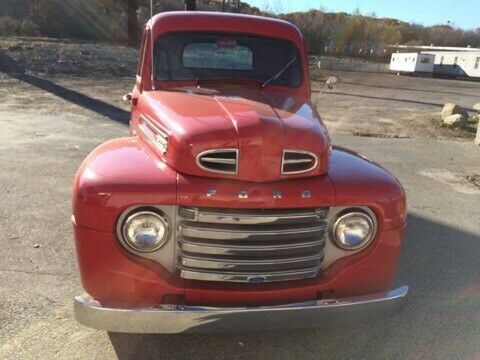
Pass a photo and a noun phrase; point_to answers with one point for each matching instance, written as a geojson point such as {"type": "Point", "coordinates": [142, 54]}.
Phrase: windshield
{"type": "Point", "coordinates": [199, 56]}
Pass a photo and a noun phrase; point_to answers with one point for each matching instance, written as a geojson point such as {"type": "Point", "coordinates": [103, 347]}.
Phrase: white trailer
{"type": "Point", "coordinates": [456, 63]}
{"type": "Point", "coordinates": [412, 63]}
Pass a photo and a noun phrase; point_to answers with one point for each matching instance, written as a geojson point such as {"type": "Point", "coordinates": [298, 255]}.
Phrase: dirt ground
{"type": "Point", "coordinates": [50, 121]}
{"type": "Point", "coordinates": [363, 104]}
{"type": "Point", "coordinates": [388, 105]}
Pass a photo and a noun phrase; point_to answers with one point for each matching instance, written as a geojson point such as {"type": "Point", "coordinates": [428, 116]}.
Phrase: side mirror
{"type": "Point", "coordinates": [331, 82]}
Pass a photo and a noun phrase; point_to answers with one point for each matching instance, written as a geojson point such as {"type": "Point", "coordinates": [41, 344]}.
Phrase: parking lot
{"type": "Point", "coordinates": [49, 124]}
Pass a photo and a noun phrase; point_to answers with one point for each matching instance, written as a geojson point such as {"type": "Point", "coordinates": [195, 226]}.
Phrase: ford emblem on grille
{"type": "Point", "coordinates": [257, 279]}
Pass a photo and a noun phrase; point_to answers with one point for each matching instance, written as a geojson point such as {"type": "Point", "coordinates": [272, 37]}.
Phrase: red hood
{"type": "Point", "coordinates": [259, 124]}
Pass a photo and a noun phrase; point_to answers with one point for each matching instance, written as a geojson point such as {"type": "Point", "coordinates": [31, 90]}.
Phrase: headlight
{"type": "Point", "coordinates": [353, 230]}
{"type": "Point", "coordinates": [145, 231]}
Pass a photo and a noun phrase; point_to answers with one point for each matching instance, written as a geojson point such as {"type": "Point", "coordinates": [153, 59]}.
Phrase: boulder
{"type": "Point", "coordinates": [476, 107]}
{"type": "Point", "coordinates": [455, 120]}
{"type": "Point", "coordinates": [453, 109]}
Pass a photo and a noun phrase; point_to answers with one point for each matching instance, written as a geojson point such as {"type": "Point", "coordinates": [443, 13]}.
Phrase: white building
{"type": "Point", "coordinates": [456, 63]}
{"type": "Point", "coordinates": [412, 63]}
{"type": "Point", "coordinates": [448, 61]}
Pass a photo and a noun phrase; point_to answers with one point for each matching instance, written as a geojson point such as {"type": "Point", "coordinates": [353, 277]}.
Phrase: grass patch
{"type": "Point", "coordinates": [379, 135]}
{"type": "Point", "coordinates": [474, 179]}
{"type": "Point", "coordinates": [468, 131]}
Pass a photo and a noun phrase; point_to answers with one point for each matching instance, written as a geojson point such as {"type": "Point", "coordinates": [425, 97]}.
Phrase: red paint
{"type": "Point", "coordinates": [261, 124]}
{"type": "Point", "coordinates": [116, 279]}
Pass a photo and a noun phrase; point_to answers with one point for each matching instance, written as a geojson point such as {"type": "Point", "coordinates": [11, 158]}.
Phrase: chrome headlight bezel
{"type": "Point", "coordinates": [127, 242]}
{"type": "Point", "coordinates": [369, 217]}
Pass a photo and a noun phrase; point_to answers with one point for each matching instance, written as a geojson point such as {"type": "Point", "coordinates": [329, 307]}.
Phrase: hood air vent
{"type": "Point", "coordinates": [222, 161]}
{"type": "Point", "coordinates": [297, 162]}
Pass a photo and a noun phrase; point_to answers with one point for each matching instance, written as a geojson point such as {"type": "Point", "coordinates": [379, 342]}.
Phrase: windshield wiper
{"type": "Point", "coordinates": [278, 74]}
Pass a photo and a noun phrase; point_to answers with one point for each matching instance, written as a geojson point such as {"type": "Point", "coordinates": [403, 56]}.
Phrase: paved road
{"type": "Point", "coordinates": [39, 154]}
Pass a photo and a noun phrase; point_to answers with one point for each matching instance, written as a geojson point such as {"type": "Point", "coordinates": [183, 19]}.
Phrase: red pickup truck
{"type": "Point", "coordinates": [228, 208]}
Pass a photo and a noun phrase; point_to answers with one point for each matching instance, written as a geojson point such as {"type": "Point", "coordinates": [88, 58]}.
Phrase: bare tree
{"type": "Point", "coordinates": [132, 22]}
{"type": "Point", "coordinates": [190, 5]}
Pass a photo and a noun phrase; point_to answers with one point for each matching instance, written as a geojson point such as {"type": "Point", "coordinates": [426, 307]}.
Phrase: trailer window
{"type": "Point", "coordinates": [456, 60]}
{"type": "Point", "coordinates": [425, 60]}
{"type": "Point", "coordinates": [477, 63]}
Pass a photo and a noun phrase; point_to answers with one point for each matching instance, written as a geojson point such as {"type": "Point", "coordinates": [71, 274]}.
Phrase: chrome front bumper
{"type": "Point", "coordinates": [170, 319]}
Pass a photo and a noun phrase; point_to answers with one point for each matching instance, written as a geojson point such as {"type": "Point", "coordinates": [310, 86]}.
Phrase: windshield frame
{"type": "Point", "coordinates": [297, 50]}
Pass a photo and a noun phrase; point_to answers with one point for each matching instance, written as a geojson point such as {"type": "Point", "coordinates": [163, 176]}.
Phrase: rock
{"type": "Point", "coordinates": [477, 107]}
{"type": "Point", "coordinates": [455, 120]}
{"type": "Point", "coordinates": [453, 109]}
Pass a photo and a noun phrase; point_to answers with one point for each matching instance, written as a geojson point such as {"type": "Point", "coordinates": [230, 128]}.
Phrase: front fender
{"type": "Point", "coordinates": [118, 174]}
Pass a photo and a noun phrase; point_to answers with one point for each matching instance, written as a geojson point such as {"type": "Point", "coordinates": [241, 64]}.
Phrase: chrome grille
{"type": "Point", "coordinates": [220, 161]}
{"type": "Point", "coordinates": [250, 245]}
{"type": "Point", "coordinates": [297, 162]}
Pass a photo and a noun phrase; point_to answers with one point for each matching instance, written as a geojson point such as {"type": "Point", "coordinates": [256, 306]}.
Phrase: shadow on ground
{"type": "Point", "coordinates": [10, 67]}
{"type": "Point", "coordinates": [409, 101]}
{"type": "Point", "coordinates": [439, 262]}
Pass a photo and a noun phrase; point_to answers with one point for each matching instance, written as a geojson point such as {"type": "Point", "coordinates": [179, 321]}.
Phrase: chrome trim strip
{"type": "Point", "coordinates": [244, 277]}
{"type": "Point", "coordinates": [219, 160]}
{"type": "Point", "coordinates": [213, 151]}
{"type": "Point", "coordinates": [169, 319]}
{"type": "Point", "coordinates": [161, 138]}
{"type": "Point", "coordinates": [218, 233]}
{"type": "Point", "coordinates": [296, 161]}
{"type": "Point", "coordinates": [298, 152]}
{"type": "Point", "coordinates": [216, 216]}
{"type": "Point", "coordinates": [262, 264]}
{"type": "Point", "coordinates": [211, 248]}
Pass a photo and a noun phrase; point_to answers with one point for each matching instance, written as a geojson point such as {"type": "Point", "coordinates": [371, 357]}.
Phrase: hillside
{"type": "Point", "coordinates": [46, 56]}
{"type": "Point", "coordinates": [326, 33]}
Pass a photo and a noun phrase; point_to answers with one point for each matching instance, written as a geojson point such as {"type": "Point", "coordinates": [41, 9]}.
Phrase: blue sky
{"type": "Point", "coordinates": [462, 13]}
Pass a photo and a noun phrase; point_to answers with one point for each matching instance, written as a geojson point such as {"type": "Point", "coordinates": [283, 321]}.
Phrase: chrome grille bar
{"type": "Point", "coordinates": [250, 264]}
{"type": "Point", "coordinates": [248, 233]}
{"type": "Point", "coordinates": [251, 246]}
{"type": "Point", "coordinates": [204, 275]}
{"type": "Point", "coordinates": [206, 248]}
{"type": "Point", "coordinates": [217, 216]}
